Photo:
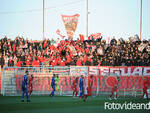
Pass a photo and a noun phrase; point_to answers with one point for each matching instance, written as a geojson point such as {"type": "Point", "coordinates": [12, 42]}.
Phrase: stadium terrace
{"type": "Point", "coordinates": [91, 52]}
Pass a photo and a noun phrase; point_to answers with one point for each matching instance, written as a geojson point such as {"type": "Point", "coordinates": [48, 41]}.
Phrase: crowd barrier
{"type": "Point", "coordinates": [131, 79]}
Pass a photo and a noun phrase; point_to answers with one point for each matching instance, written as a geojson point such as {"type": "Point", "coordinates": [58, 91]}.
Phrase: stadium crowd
{"type": "Point", "coordinates": [24, 52]}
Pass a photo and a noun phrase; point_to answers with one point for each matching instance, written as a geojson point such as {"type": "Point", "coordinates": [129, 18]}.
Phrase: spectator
{"type": "Point", "coordinates": [1, 61]}
{"type": "Point", "coordinates": [21, 52]}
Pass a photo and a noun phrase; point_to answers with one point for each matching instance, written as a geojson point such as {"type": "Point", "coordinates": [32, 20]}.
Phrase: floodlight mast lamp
{"type": "Point", "coordinates": [43, 17]}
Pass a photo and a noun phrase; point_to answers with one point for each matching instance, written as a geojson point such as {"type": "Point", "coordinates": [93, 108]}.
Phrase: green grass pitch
{"type": "Point", "coordinates": [63, 104]}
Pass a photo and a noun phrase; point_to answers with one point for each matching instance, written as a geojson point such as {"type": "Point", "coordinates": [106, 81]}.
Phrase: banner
{"type": "Point", "coordinates": [104, 83]}
{"type": "Point", "coordinates": [111, 81]}
{"type": "Point", "coordinates": [130, 78]}
{"type": "Point", "coordinates": [70, 23]}
{"type": "Point", "coordinates": [95, 36]}
{"type": "Point", "coordinates": [79, 70]}
{"type": "Point", "coordinates": [123, 71]}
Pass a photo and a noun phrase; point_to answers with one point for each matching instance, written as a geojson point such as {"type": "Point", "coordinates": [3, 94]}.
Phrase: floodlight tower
{"type": "Point", "coordinates": [141, 21]}
{"type": "Point", "coordinates": [43, 17]}
{"type": "Point", "coordinates": [87, 18]}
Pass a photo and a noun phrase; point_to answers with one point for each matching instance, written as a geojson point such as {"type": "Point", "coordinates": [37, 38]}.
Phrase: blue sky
{"type": "Point", "coordinates": [119, 18]}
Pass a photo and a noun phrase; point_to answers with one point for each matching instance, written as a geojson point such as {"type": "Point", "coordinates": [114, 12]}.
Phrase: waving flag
{"type": "Point", "coordinates": [58, 32]}
{"type": "Point", "coordinates": [70, 23]}
{"type": "Point", "coordinates": [95, 36]}
{"type": "Point", "coordinates": [81, 37]}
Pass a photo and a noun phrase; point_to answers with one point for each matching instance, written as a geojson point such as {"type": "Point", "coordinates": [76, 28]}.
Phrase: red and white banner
{"type": "Point", "coordinates": [79, 70]}
{"type": "Point", "coordinates": [70, 23]}
{"type": "Point", "coordinates": [130, 78]}
{"type": "Point", "coordinates": [123, 71]}
{"type": "Point", "coordinates": [95, 36]}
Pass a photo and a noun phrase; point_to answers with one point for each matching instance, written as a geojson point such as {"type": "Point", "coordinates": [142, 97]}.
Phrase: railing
{"type": "Point", "coordinates": [129, 85]}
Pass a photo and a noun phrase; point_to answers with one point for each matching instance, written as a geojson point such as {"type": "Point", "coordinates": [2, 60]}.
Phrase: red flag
{"type": "Point", "coordinates": [95, 35]}
{"type": "Point", "coordinates": [70, 23]}
{"type": "Point", "coordinates": [81, 37]}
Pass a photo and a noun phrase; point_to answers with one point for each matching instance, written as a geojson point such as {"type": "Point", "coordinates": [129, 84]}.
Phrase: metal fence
{"type": "Point", "coordinates": [12, 77]}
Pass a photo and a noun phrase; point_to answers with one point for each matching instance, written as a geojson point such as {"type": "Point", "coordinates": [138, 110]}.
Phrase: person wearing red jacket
{"type": "Point", "coordinates": [79, 62]}
{"type": "Point", "coordinates": [84, 59]}
{"type": "Point", "coordinates": [69, 59]}
{"type": "Point", "coordinates": [54, 62]}
{"type": "Point", "coordinates": [28, 62]}
{"type": "Point", "coordinates": [62, 62]}
{"type": "Point", "coordinates": [19, 63]}
{"type": "Point", "coordinates": [36, 63]}
{"type": "Point", "coordinates": [14, 47]}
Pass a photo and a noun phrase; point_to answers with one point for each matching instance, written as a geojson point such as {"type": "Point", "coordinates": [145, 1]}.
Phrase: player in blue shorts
{"type": "Point", "coordinates": [25, 87]}
{"type": "Point", "coordinates": [81, 85]}
{"type": "Point", "coordinates": [53, 86]}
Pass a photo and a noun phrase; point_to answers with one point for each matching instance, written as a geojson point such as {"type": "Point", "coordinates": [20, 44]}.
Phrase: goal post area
{"type": "Point", "coordinates": [12, 79]}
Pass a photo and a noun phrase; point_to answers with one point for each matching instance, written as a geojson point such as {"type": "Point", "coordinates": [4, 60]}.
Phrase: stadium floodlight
{"type": "Point", "coordinates": [141, 21]}
{"type": "Point", "coordinates": [87, 18]}
{"type": "Point", "coordinates": [43, 17]}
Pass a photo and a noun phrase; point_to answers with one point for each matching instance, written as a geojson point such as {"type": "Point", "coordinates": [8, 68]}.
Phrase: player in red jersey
{"type": "Point", "coordinates": [114, 90]}
{"type": "Point", "coordinates": [74, 87]}
{"type": "Point", "coordinates": [88, 90]}
{"type": "Point", "coordinates": [145, 87]}
{"type": "Point", "coordinates": [30, 85]}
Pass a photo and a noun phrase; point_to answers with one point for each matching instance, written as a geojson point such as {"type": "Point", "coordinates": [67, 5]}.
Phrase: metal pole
{"type": "Point", "coordinates": [87, 18]}
{"type": "Point", "coordinates": [141, 22]}
{"type": "Point", "coordinates": [43, 17]}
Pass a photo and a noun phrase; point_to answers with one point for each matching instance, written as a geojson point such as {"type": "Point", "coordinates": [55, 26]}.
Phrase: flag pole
{"type": "Point", "coordinates": [141, 22]}
{"type": "Point", "coordinates": [87, 18]}
{"type": "Point", "coordinates": [43, 17]}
